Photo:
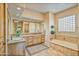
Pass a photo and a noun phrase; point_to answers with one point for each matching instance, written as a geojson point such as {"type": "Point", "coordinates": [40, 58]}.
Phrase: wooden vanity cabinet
{"type": "Point", "coordinates": [29, 40]}
{"type": "Point", "coordinates": [34, 40]}
{"type": "Point", "coordinates": [42, 38]}
{"type": "Point", "coordinates": [16, 49]}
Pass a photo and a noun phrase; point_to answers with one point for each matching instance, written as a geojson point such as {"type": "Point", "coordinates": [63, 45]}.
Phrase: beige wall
{"type": "Point", "coordinates": [2, 29]}
{"type": "Point", "coordinates": [51, 20]}
{"type": "Point", "coordinates": [32, 14]}
{"type": "Point", "coordinates": [46, 23]}
{"type": "Point", "coordinates": [70, 11]}
{"type": "Point", "coordinates": [46, 28]}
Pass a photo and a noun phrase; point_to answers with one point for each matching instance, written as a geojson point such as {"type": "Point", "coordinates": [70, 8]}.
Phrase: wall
{"type": "Point", "coordinates": [70, 11]}
{"type": "Point", "coordinates": [51, 20]}
{"type": "Point", "coordinates": [32, 14]}
{"type": "Point", "coordinates": [2, 30]}
{"type": "Point", "coordinates": [48, 21]}
{"type": "Point", "coordinates": [46, 28]}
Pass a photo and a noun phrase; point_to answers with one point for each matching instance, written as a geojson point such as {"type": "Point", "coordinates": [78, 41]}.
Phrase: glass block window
{"type": "Point", "coordinates": [67, 24]}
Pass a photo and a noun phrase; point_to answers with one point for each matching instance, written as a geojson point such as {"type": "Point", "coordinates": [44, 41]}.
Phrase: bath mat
{"type": "Point", "coordinates": [35, 49]}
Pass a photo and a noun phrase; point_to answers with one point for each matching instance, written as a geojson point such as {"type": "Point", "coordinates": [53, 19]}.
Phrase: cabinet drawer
{"type": "Point", "coordinates": [42, 39]}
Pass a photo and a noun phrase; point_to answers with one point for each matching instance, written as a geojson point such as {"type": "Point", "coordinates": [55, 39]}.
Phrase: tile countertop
{"type": "Point", "coordinates": [66, 44]}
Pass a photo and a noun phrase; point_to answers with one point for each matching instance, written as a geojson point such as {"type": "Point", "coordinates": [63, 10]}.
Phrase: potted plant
{"type": "Point", "coordinates": [18, 33]}
{"type": "Point", "coordinates": [52, 29]}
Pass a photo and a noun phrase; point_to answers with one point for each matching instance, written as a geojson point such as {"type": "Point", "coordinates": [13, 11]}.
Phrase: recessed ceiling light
{"type": "Point", "coordinates": [18, 8]}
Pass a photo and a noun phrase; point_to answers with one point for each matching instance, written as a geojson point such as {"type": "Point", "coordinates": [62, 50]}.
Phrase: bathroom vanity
{"type": "Point", "coordinates": [34, 39]}
{"type": "Point", "coordinates": [17, 46]}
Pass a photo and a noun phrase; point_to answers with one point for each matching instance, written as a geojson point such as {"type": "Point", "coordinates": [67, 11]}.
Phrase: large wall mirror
{"type": "Point", "coordinates": [25, 27]}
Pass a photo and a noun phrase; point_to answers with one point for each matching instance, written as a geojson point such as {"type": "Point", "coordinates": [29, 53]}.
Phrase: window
{"type": "Point", "coordinates": [67, 24]}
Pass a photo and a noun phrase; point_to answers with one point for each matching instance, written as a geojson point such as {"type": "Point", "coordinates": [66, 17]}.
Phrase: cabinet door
{"type": "Point", "coordinates": [12, 50]}
{"type": "Point", "coordinates": [39, 39]}
{"type": "Point", "coordinates": [35, 41]}
{"type": "Point", "coordinates": [42, 38]}
{"type": "Point", "coordinates": [16, 49]}
{"type": "Point", "coordinates": [20, 49]}
{"type": "Point", "coordinates": [2, 30]}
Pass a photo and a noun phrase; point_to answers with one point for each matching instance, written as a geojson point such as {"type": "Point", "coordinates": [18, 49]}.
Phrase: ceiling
{"type": "Point", "coordinates": [16, 9]}
{"type": "Point", "coordinates": [47, 7]}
